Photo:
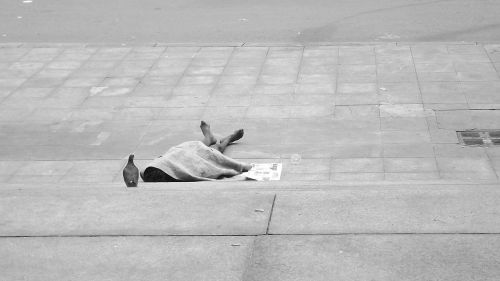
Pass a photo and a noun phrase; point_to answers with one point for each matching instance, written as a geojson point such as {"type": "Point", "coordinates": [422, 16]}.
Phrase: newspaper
{"type": "Point", "coordinates": [264, 172]}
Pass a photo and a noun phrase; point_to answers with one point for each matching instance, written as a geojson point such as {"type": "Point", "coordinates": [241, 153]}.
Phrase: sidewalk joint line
{"type": "Point", "coordinates": [378, 84]}
{"type": "Point", "coordinates": [427, 118]}
{"type": "Point", "coordinates": [271, 214]}
{"type": "Point", "coordinates": [250, 235]}
{"type": "Point", "coordinates": [155, 117]}
{"type": "Point", "coordinates": [216, 84]}
{"type": "Point", "coordinates": [252, 92]}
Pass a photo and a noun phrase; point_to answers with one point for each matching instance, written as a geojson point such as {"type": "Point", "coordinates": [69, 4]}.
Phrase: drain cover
{"type": "Point", "coordinates": [479, 137]}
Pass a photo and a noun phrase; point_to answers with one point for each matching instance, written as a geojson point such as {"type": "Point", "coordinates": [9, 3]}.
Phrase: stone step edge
{"type": "Point", "coordinates": [258, 186]}
{"type": "Point", "coordinates": [231, 44]}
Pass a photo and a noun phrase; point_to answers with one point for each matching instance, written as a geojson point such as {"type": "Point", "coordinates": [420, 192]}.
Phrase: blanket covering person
{"type": "Point", "coordinates": [195, 161]}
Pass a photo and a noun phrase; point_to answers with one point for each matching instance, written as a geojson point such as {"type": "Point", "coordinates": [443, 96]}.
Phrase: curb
{"type": "Point", "coordinates": [253, 186]}
{"type": "Point", "coordinates": [231, 44]}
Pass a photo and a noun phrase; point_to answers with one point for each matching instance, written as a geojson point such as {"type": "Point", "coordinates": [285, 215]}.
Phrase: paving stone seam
{"type": "Point", "coordinates": [298, 75]}
{"type": "Point", "coordinates": [492, 165]}
{"type": "Point", "coordinates": [377, 234]}
{"type": "Point", "coordinates": [378, 107]}
{"type": "Point", "coordinates": [117, 177]}
{"type": "Point", "coordinates": [214, 86]}
{"type": "Point", "coordinates": [148, 126]}
{"type": "Point", "coordinates": [317, 186]}
{"type": "Point", "coordinates": [496, 66]}
{"type": "Point", "coordinates": [249, 261]}
{"type": "Point", "coordinates": [258, 235]}
{"type": "Point", "coordinates": [269, 219]}
{"type": "Point", "coordinates": [232, 44]}
{"type": "Point", "coordinates": [261, 71]}
{"type": "Point", "coordinates": [421, 100]}
{"type": "Point", "coordinates": [177, 83]}
{"type": "Point", "coordinates": [300, 64]}
{"type": "Point", "coordinates": [31, 76]}
{"type": "Point", "coordinates": [330, 176]}
{"type": "Point", "coordinates": [492, 62]}
{"type": "Point", "coordinates": [100, 81]}
{"type": "Point", "coordinates": [132, 235]}
{"type": "Point", "coordinates": [116, 63]}
{"type": "Point", "coordinates": [466, 98]}
{"type": "Point", "coordinates": [48, 62]}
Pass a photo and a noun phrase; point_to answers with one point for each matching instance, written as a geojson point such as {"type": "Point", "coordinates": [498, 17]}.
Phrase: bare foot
{"type": "Point", "coordinates": [247, 167]}
{"type": "Point", "coordinates": [205, 129]}
{"type": "Point", "coordinates": [236, 135]}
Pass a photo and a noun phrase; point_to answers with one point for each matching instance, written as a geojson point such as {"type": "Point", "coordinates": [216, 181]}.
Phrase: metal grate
{"type": "Point", "coordinates": [479, 137]}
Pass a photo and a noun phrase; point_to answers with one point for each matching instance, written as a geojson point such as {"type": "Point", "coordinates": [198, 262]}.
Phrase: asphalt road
{"type": "Point", "coordinates": [205, 21]}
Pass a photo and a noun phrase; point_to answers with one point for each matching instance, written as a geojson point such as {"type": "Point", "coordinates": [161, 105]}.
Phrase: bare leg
{"type": "Point", "coordinates": [236, 135]}
{"type": "Point", "coordinates": [222, 145]}
{"type": "Point", "coordinates": [208, 137]}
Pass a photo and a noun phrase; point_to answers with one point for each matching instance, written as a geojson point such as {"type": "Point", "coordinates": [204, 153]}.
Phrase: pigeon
{"type": "Point", "coordinates": [131, 173]}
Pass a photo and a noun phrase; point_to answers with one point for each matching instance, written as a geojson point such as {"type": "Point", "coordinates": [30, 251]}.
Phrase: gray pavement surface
{"type": "Point", "coordinates": [125, 258]}
{"type": "Point", "coordinates": [383, 189]}
{"type": "Point", "coordinates": [451, 238]}
{"type": "Point", "coordinates": [345, 257]}
{"type": "Point", "coordinates": [197, 21]}
{"type": "Point", "coordinates": [380, 257]}
{"type": "Point", "coordinates": [410, 210]}
{"type": "Point", "coordinates": [399, 209]}
{"type": "Point", "coordinates": [96, 212]}
{"type": "Point", "coordinates": [387, 112]}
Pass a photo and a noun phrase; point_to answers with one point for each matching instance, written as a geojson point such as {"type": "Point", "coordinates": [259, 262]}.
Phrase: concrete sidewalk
{"type": "Point", "coordinates": [382, 233]}
{"type": "Point", "coordinates": [71, 113]}
{"type": "Point", "coordinates": [362, 117]}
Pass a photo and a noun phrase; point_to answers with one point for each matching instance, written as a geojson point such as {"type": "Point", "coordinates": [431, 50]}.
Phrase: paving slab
{"type": "Point", "coordinates": [125, 258]}
{"type": "Point", "coordinates": [375, 257]}
{"type": "Point", "coordinates": [103, 212]}
{"type": "Point", "coordinates": [357, 165]}
{"type": "Point", "coordinates": [468, 119]}
{"type": "Point", "coordinates": [331, 101]}
{"type": "Point", "coordinates": [403, 210]}
{"type": "Point", "coordinates": [411, 176]}
{"type": "Point", "coordinates": [413, 165]}
{"type": "Point", "coordinates": [466, 168]}
{"type": "Point", "coordinates": [408, 150]}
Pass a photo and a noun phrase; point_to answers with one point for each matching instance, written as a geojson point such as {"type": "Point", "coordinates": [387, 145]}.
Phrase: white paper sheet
{"type": "Point", "coordinates": [264, 172]}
